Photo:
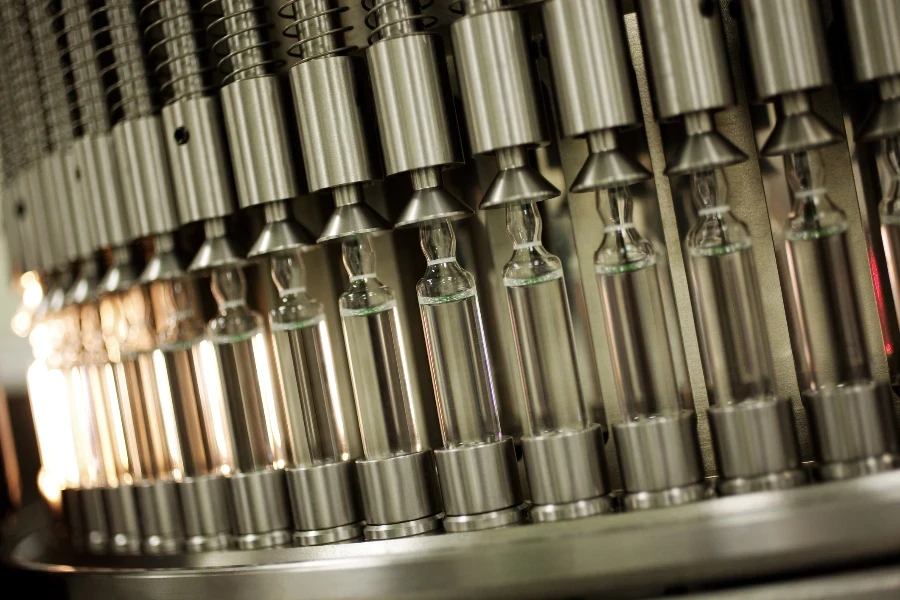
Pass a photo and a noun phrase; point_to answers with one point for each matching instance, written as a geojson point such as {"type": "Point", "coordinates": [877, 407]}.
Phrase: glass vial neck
{"type": "Point", "coordinates": [890, 203]}
{"type": "Point", "coordinates": [622, 248]}
{"type": "Point", "coordinates": [813, 215]}
{"type": "Point", "coordinates": [235, 317]}
{"type": "Point", "coordinates": [297, 307]}
{"type": "Point", "coordinates": [531, 262]}
{"type": "Point", "coordinates": [365, 292]}
{"type": "Point", "coordinates": [717, 230]}
{"type": "Point", "coordinates": [444, 280]}
{"type": "Point", "coordinates": [174, 305]}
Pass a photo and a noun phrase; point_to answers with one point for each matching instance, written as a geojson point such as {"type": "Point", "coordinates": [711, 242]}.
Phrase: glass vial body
{"type": "Point", "coordinates": [247, 379]}
{"type": "Point", "coordinates": [627, 273]}
{"type": "Point", "coordinates": [454, 336]}
{"type": "Point", "coordinates": [734, 344]}
{"type": "Point", "coordinates": [315, 421]}
{"type": "Point", "coordinates": [889, 213]}
{"type": "Point", "coordinates": [378, 368]}
{"type": "Point", "coordinates": [833, 349]}
{"type": "Point", "coordinates": [542, 327]}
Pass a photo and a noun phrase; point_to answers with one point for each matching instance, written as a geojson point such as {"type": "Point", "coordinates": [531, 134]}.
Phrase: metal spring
{"type": "Point", "coordinates": [245, 51]}
{"type": "Point", "coordinates": [376, 13]}
{"type": "Point", "coordinates": [179, 46]}
{"type": "Point", "coordinates": [50, 77]}
{"type": "Point", "coordinates": [323, 33]}
{"type": "Point", "coordinates": [82, 70]}
{"type": "Point", "coordinates": [129, 91]}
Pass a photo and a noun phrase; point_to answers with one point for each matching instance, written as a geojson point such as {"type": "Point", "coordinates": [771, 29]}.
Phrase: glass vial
{"type": "Point", "coordinates": [542, 327]}
{"type": "Point", "coordinates": [378, 368]}
{"type": "Point", "coordinates": [734, 344]}
{"type": "Point", "coordinates": [627, 272]}
{"type": "Point", "coordinates": [454, 335]}
{"type": "Point", "coordinates": [303, 356]}
{"type": "Point", "coordinates": [889, 212]}
{"type": "Point", "coordinates": [834, 351]}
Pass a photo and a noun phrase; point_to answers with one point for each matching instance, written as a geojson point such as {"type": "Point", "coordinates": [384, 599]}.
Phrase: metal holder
{"type": "Point", "coordinates": [204, 508]}
{"type": "Point", "coordinates": [123, 520]}
{"type": "Point", "coordinates": [96, 162]}
{"type": "Point", "coordinates": [479, 486]}
{"type": "Point", "coordinates": [260, 512]}
{"type": "Point", "coordinates": [400, 495]}
{"type": "Point", "coordinates": [853, 430]}
{"type": "Point", "coordinates": [325, 503]}
{"type": "Point", "coordinates": [567, 475]}
{"type": "Point", "coordinates": [73, 517]}
{"type": "Point", "coordinates": [159, 510]}
{"type": "Point", "coordinates": [659, 460]}
{"type": "Point", "coordinates": [96, 528]}
{"type": "Point", "coordinates": [756, 447]}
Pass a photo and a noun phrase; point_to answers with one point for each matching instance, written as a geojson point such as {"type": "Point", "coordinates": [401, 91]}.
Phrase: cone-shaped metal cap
{"type": "Point", "coordinates": [430, 204]}
{"type": "Point", "coordinates": [118, 278]}
{"type": "Point", "coordinates": [882, 122]}
{"type": "Point", "coordinates": [162, 266]}
{"type": "Point", "coordinates": [608, 169]}
{"type": "Point", "coordinates": [518, 185]}
{"type": "Point", "coordinates": [702, 152]}
{"type": "Point", "coordinates": [216, 252]}
{"type": "Point", "coordinates": [84, 288]}
{"type": "Point", "coordinates": [803, 131]}
{"type": "Point", "coordinates": [352, 219]}
{"type": "Point", "coordinates": [280, 236]}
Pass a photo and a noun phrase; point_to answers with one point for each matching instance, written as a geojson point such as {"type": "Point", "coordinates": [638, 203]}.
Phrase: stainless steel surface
{"type": "Point", "coordinates": [397, 491]}
{"type": "Point", "coordinates": [874, 31]}
{"type": "Point", "coordinates": [332, 135]}
{"type": "Point", "coordinates": [260, 510]}
{"type": "Point", "coordinates": [160, 512]}
{"type": "Point", "coordinates": [416, 123]}
{"type": "Point", "coordinates": [264, 166]}
{"type": "Point", "coordinates": [478, 479]}
{"type": "Point", "coordinates": [756, 446]}
{"type": "Point", "coordinates": [657, 455]}
{"type": "Point", "coordinates": [351, 216]}
{"type": "Point", "coordinates": [566, 474]}
{"type": "Point", "coordinates": [205, 513]}
{"type": "Point", "coordinates": [798, 128]}
{"type": "Point", "coordinates": [325, 503]}
{"type": "Point", "coordinates": [97, 167]}
{"type": "Point", "coordinates": [123, 520]}
{"type": "Point", "coordinates": [60, 193]}
{"type": "Point", "coordinates": [686, 52]}
{"type": "Point", "coordinates": [96, 527]}
{"type": "Point", "coordinates": [786, 40]}
{"type": "Point", "coordinates": [498, 87]}
{"type": "Point", "coordinates": [280, 233]}
{"type": "Point", "coordinates": [73, 518]}
{"type": "Point", "coordinates": [199, 159]}
{"type": "Point", "coordinates": [853, 430]}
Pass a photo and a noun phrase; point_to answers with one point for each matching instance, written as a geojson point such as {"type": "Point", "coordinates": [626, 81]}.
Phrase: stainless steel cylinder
{"type": "Point", "coordinates": [787, 45]}
{"type": "Point", "coordinates": [97, 167]}
{"type": "Point", "coordinates": [146, 178]}
{"type": "Point", "coordinates": [201, 170]}
{"type": "Point", "coordinates": [96, 528]}
{"type": "Point", "coordinates": [415, 121]}
{"type": "Point", "coordinates": [332, 136]}
{"type": "Point", "coordinates": [686, 56]}
{"type": "Point", "coordinates": [73, 518]}
{"type": "Point", "coordinates": [258, 139]}
{"type": "Point", "coordinates": [874, 30]}
{"type": "Point", "coordinates": [590, 65]}
{"type": "Point", "coordinates": [205, 513]}
{"type": "Point", "coordinates": [659, 460]}
{"type": "Point", "coordinates": [479, 486]}
{"type": "Point", "coordinates": [61, 241]}
{"type": "Point", "coordinates": [260, 511]}
{"type": "Point", "coordinates": [400, 495]}
{"type": "Point", "coordinates": [123, 520]}
{"type": "Point", "coordinates": [37, 220]}
{"type": "Point", "coordinates": [853, 430]}
{"type": "Point", "coordinates": [756, 447]}
{"type": "Point", "coordinates": [23, 216]}
{"type": "Point", "coordinates": [567, 475]}
{"type": "Point", "coordinates": [160, 514]}
{"type": "Point", "coordinates": [325, 503]}
{"type": "Point", "coordinates": [497, 84]}
{"type": "Point", "coordinates": [57, 187]}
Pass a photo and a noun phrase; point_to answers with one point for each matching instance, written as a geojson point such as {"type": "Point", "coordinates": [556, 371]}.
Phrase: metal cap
{"type": "Point", "coordinates": [164, 265]}
{"type": "Point", "coordinates": [280, 233]}
{"type": "Point", "coordinates": [85, 285]}
{"type": "Point", "coordinates": [217, 250]}
{"type": "Point", "coordinates": [882, 122]}
{"type": "Point", "coordinates": [519, 185]}
{"type": "Point", "coordinates": [798, 128]}
{"type": "Point", "coordinates": [351, 216]}
{"type": "Point", "coordinates": [430, 204]}
{"type": "Point", "coordinates": [704, 148]}
{"type": "Point", "coordinates": [118, 278]}
{"type": "Point", "coordinates": [608, 169]}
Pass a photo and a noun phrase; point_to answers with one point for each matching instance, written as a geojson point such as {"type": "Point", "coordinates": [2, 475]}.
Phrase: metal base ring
{"type": "Point", "coordinates": [762, 483]}
{"type": "Point", "coordinates": [404, 529]}
{"type": "Point", "coordinates": [836, 471]}
{"type": "Point", "coordinates": [665, 498]}
{"type": "Point", "coordinates": [256, 541]}
{"type": "Point", "coordinates": [547, 513]}
{"type": "Point", "coordinates": [207, 543]}
{"type": "Point", "coordinates": [488, 520]}
{"type": "Point", "coordinates": [320, 537]}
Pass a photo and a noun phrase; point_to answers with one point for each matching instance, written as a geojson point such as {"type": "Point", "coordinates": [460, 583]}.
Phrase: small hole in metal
{"type": "Point", "coordinates": [182, 135]}
{"type": "Point", "coordinates": [707, 8]}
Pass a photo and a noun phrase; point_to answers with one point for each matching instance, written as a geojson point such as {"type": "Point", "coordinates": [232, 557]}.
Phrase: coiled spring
{"type": "Point", "coordinates": [388, 18]}
{"type": "Point", "coordinates": [316, 25]}
{"type": "Point", "coordinates": [50, 77]}
{"type": "Point", "coordinates": [118, 40]}
{"type": "Point", "coordinates": [178, 43]}
{"type": "Point", "coordinates": [242, 40]}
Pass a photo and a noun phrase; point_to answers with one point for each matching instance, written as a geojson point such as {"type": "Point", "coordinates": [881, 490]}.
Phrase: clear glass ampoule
{"type": "Point", "coordinates": [627, 272]}
{"type": "Point", "coordinates": [238, 336]}
{"type": "Point", "coordinates": [312, 405]}
{"type": "Point", "coordinates": [454, 335]}
{"type": "Point", "coordinates": [542, 326]}
{"type": "Point", "coordinates": [734, 344]}
{"type": "Point", "coordinates": [834, 350]}
{"type": "Point", "coordinates": [378, 367]}
{"type": "Point", "coordinates": [889, 212]}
